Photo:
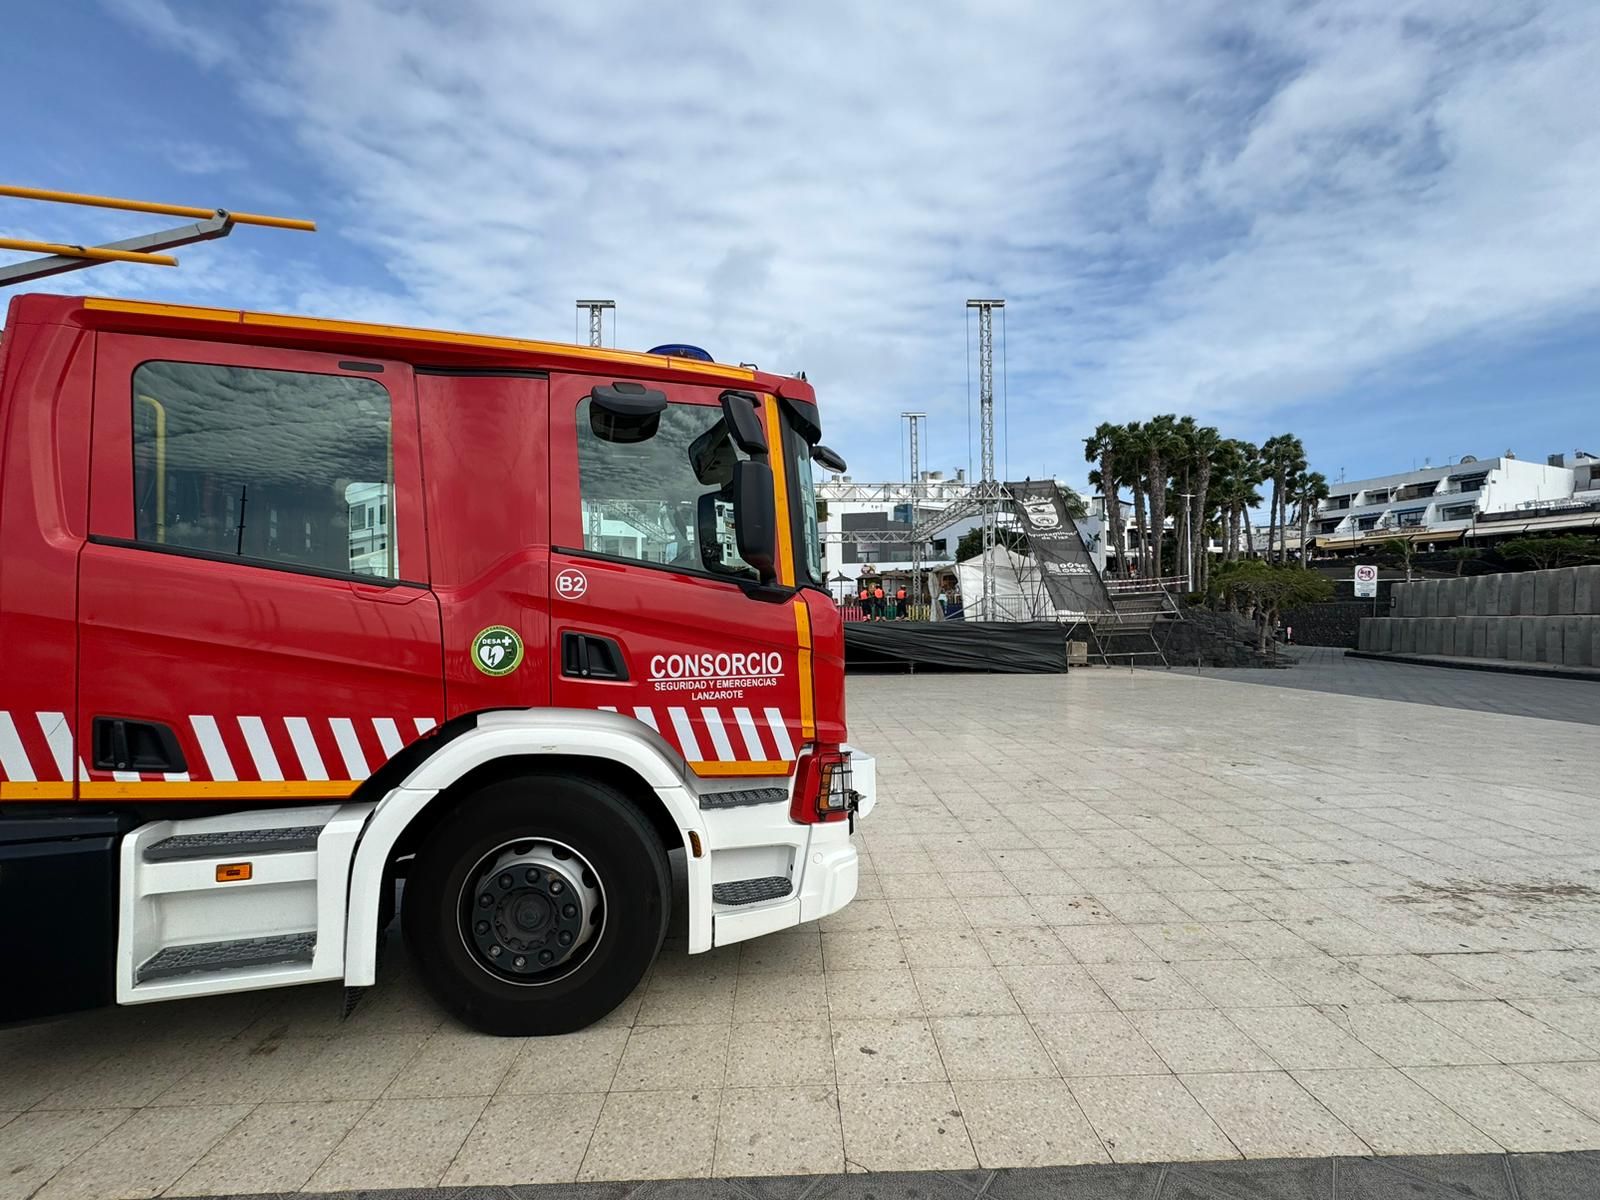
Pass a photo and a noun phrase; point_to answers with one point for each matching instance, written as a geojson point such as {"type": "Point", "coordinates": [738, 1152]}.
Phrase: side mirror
{"type": "Point", "coordinates": [828, 459]}
{"type": "Point", "coordinates": [739, 409]}
{"type": "Point", "coordinates": [625, 412]}
{"type": "Point", "coordinates": [757, 519]}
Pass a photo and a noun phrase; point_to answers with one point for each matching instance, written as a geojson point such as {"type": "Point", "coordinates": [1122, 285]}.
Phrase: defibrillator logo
{"type": "Point", "coordinates": [497, 650]}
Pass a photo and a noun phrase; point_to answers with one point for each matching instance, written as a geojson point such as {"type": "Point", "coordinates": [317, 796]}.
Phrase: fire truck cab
{"type": "Point", "coordinates": [292, 610]}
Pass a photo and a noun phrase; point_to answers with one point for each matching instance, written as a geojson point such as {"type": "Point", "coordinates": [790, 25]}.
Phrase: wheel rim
{"type": "Point", "coordinates": [531, 911]}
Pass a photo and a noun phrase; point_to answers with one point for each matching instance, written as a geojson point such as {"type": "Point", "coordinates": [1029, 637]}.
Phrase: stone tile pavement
{"type": "Point", "coordinates": [1327, 669]}
{"type": "Point", "coordinates": [1113, 917]}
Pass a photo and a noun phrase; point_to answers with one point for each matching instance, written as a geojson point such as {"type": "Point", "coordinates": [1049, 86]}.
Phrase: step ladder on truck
{"type": "Point", "coordinates": [294, 609]}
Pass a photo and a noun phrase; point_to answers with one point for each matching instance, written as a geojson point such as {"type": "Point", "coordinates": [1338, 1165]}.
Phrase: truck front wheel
{"type": "Point", "coordinates": [537, 905]}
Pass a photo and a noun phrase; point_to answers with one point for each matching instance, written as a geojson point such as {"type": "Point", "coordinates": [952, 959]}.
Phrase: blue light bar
{"type": "Point", "coordinates": [681, 350]}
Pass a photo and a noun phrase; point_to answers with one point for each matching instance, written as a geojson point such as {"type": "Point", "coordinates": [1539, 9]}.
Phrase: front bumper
{"type": "Point", "coordinates": [826, 863]}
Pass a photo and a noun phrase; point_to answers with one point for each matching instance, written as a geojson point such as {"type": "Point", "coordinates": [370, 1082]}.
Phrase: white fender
{"type": "Point", "coordinates": [522, 733]}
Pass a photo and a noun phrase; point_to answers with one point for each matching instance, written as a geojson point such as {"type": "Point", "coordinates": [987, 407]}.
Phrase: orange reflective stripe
{"type": "Point", "coordinates": [780, 483]}
{"type": "Point", "coordinates": [808, 713]}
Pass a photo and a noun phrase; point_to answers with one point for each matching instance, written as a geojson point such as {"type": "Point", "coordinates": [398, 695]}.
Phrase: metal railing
{"type": "Point", "coordinates": [1163, 583]}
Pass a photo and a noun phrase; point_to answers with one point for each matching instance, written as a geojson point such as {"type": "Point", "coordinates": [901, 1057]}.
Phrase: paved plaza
{"type": "Point", "coordinates": [1328, 669]}
{"type": "Point", "coordinates": [1114, 917]}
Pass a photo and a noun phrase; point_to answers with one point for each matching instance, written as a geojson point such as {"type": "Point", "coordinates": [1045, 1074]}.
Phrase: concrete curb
{"type": "Point", "coordinates": [1572, 1175]}
{"type": "Point", "coordinates": [1498, 665]}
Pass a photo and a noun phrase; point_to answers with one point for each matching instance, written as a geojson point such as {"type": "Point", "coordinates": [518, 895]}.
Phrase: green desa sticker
{"type": "Point", "coordinates": [497, 650]}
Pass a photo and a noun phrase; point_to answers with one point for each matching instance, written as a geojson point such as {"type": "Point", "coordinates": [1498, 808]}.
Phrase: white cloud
{"type": "Point", "coordinates": [1212, 208]}
{"type": "Point", "coordinates": [200, 158]}
{"type": "Point", "coordinates": [157, 20]}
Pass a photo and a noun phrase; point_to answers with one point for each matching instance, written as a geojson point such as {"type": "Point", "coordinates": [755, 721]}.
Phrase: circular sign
{"type": "Point", "coordinates": [571, 584]}
{"type": "Point", "coordinates": [497, 650]}
{"type": "Point", "coordinates": [1366, 574]}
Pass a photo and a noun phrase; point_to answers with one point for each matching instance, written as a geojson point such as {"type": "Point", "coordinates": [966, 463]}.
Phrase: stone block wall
{"type": "Point", "coordinates": [1531, 616]}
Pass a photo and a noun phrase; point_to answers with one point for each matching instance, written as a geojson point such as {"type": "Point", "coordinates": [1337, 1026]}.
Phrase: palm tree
{"type": "Point", "coordinates": [1233, 490]}
{"type": "Point", "coordinates": [1313, 488]}
{"type": "Point", "coordinates": [1284, 457]}
{"type": "Point", "coordinates": [1161, 444]}
{"type": "Point", "coordinates": [1131, 459]}
{"type": "Point", "coordinates": [1103, 447]}
{"type": "Point", "coordinates": [1204, 442]}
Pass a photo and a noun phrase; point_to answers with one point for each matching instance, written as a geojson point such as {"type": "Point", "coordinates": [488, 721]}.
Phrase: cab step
{"type": "Point", "coordinates": [235, 901]}
{"type": "Point", "coordinates": [751, 891]}
{"type": "Point", "coordinates": [204, 957]}
{"type": "Point", "coordinates": [233, 843]}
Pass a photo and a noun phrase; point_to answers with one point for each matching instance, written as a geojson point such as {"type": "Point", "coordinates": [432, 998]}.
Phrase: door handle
{"type": "Point", "coordinates": [590, 656]}
{"type": "Point", "coordinates": [121, 744]}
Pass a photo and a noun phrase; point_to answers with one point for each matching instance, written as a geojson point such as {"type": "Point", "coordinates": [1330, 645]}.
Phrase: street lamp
{"type": "Point", "coordinates": [1188, 546]}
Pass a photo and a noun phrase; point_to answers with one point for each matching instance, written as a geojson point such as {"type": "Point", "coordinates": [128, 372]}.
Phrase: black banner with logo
{"type": "Point", "coordinates": [1070, 577]}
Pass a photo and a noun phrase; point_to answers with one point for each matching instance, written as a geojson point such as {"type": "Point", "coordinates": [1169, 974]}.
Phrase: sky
{"type": "Point", "coordinates": [1372, 223]}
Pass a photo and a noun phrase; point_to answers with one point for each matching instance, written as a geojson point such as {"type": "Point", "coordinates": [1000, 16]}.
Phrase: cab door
{"type": "Point", "coordinates": [255, 618]}
{"type": "Point", "coordinates": [487, 472]}
{"type": "Point", "coordinates": [653, 614]}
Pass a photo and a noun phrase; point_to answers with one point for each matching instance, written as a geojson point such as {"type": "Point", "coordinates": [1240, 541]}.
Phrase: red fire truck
{"type": "Point", "coordinates": [303, 621]}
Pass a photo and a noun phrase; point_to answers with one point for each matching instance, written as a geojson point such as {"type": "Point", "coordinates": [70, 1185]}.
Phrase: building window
{"type": "Point", "coordinates": [1457, 512]}
{"type": "Point", "coordinates": [1365, 523]}
{"type": "Point", "coordinates": [667, 499]}
{"type": "Point", "coordinates": [939, 550]}
{"type": "Point", "coordinates": [1470, 483]}
{"type": "Point", "coordinates": [285, 468]}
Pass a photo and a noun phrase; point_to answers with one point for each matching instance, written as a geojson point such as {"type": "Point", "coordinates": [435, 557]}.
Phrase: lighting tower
{"type": "Point", "coordinates": [988, 486]}
{"type": "Point", "coordinates": [596, 310]}
{"type": "Point", "coordinates": [915, 420]}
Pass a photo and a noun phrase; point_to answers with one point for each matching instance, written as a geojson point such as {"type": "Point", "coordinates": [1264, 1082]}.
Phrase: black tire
{"type": "Point", "coordinates": [602, 825]}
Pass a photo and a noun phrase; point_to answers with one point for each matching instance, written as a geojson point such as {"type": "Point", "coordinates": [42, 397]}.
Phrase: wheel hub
{"type": "Point", "coordinates": [529, 908]}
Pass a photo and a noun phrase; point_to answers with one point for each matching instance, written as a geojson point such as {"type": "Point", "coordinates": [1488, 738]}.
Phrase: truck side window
{"type": "Point", "coordinates": [667, 499]}
{"type": "Point", "coordinates": [280, 467]}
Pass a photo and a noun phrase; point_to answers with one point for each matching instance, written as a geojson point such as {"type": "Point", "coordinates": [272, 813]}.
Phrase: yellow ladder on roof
{"type": "Point", "coordinates": [62, 257]}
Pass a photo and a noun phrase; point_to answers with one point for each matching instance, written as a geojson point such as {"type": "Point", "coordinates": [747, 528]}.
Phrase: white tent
{"type": "Point", "coordinates": [1019, 592]}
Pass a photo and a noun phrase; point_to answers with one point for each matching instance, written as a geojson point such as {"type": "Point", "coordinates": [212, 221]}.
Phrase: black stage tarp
{"type": "Point", "coordinates": [1013, 647]}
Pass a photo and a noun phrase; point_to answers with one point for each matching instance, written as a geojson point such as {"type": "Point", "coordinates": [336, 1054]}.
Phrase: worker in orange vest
{"type": "Point", "coordinates": [900, 603]}
{"type": "Point", "coordinates": [865, 599]}
{"type": "Point", "coordinates": [877, 601]}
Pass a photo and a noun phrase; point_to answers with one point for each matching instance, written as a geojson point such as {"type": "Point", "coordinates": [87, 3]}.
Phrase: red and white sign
{"type": "Point", "coordinates": [1366, 580]}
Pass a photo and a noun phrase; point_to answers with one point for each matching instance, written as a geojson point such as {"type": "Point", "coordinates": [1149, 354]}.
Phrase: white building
{"type": "Point", "coordinates": [1474, 497]}
{"type": "Point", "coordinates": [852, 512]}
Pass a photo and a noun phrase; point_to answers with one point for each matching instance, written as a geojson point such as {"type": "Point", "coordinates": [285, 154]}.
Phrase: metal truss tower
{"type": "Point", "coordinates": [988, 486]}
{"type": "Point", "coordinates": [915, 420]}
{"type": "Point", "coordinates": [597, 310]}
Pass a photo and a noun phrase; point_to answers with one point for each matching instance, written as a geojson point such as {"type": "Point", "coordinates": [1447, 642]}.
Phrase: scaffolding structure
{"type": "Point", "coordinates": [988, 489]}
{"type": "Point", "coordinates": [915, 420]}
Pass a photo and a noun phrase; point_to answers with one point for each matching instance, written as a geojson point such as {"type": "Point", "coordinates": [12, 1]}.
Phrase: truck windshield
{"type": "Point", "coordinates": [803, 501]}
{"type": "Point", "coordinates": [668, 499]}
